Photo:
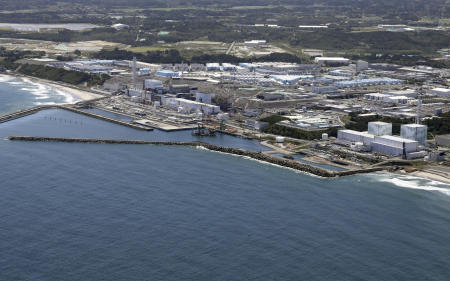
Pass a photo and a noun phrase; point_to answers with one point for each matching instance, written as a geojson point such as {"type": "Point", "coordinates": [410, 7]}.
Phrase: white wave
{"type": "Point", "coordinates": [45, 103]}
{"type": "Point", "coordinates": [413, 182]}
{"type": "Point", "coordinates": [14, 83]}
{"type": "Point", "coordinates": [40, 91]}
{"type": "Point", "coordinates": [6, 78]}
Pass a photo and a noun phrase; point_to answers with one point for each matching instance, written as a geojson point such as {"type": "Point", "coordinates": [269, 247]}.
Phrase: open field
{"type": "Point", "coordinates": [55, 47]}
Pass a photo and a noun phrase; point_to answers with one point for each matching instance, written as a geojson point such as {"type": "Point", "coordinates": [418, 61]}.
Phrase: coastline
{"type": "Point", "coordinates": [424, 174]}
{"type": "Point", "coordinates": [77, 93]}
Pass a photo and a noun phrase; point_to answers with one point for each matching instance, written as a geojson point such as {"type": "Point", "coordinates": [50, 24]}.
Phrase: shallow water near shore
{"type": "Point", "coordinates": [73, 211]}
{"type": "Point", "coordinates": [18, 93]}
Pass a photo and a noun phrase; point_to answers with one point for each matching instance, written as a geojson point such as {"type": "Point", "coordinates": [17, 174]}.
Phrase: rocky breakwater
{"type": "Point", "coordinates": [235, 151]}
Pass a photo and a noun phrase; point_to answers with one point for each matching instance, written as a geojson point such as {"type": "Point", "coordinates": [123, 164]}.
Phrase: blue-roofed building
{"type": "Point", "coordinates": [167, 73]}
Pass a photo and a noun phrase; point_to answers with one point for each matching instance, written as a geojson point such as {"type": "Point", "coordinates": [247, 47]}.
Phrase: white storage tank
{"type": "Point", "coordinates": [324, 136]}
{"type": "Point", "coordinates": [279, 139]}
{"type": "Point", "coordinates": [380, 128]}
{"type": "Point", "coordinates": [415, 132]}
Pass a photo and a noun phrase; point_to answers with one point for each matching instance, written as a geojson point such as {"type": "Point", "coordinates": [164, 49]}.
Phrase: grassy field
{"type": "Point", "coordinates": [145, 49]}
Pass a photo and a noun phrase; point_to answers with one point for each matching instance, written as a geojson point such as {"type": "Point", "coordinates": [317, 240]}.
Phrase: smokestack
{"type": "Point", "coordinates": [419, 107]}
{"type": "Point", "coordinates": [134, 72]}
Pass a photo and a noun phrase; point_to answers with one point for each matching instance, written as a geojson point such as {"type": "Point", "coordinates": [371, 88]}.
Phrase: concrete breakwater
{"type": "Point", "coordinates": [131, 125]}
{"type": "Point", "coordinates": [33, 110]}
{"type": "Point", "coordinates": [235, 151]}
{"type": "Point", "coordinates": [22, 113]}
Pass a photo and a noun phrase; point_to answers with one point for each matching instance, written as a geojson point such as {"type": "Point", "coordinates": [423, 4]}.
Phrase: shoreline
{"type": "Point", "coordinates": [77, 93]}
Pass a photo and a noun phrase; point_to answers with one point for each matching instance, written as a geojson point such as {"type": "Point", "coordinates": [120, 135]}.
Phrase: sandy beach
{"type": "Point", "coordinates": [79, 94]}
{"type": "Point", "coordinates": [431, 176]}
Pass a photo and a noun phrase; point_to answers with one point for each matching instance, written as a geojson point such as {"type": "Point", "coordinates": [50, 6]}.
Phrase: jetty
{"type": "Point", "coordinates": [101, 117]}
{"type": "Point", "coordinates": [22, 113]}
{"type": "Point", "coordinates": [229, 150]}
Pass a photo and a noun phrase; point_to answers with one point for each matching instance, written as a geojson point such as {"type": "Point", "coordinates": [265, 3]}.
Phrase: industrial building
{"type": "Point", "coordinates": [361, 65]}
{"type": "Point", "coordinates": [189, 106]}
{"type": "Point", "coordinates": [415, 132]}
{"type": "Point", "coordinates": [380, 128]}
{"type": "Point", "coordinates": [352, 136]}
{"type": "Point", "coordinates": [443, 92]}
{"type": "Point", "coordinates": [394, 146]}
{"type": "Point", "coordinates": [443, 140]}
{"type": "Point", "coordinates": [167, 73]}
{"type": "Point", "coordinates": [229, 67]}
{"type": "Point", "coordinates": [212, 67]}
{"type": "Point", "coordinates": [376, 97]}
{"type": "Point", "coordinates": [332, 60]}
{"type": "Point", "coordinates": [322, 90]}
{"type": "Point", "coordinates": [153, 85]}
{"type": "Point", "coordinates": [255, 42]}
{"type": "Point", "coordinates": [402, 93]}
{"type": "Point", "coordinates": [368, 82]}
{"type": "Point", "coordinates": [204, 98]}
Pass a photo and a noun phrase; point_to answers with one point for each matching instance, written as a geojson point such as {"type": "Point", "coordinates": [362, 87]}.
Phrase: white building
{"type": "Point", "coordinates": [398, 99]}
{"type": "Point", "coordinates": [228, 67]}
{"type": "Point", "coordinates": [394, 146]}
{"type": "Point", "coordinates": [189, 106]}
{"type": "Point", "coordinates": [415, 132]}
{"type": "Point", "coordinates": [213, 67]}
{"type": "Point", "coordinates": [405, 93]}
{"type": "Point", "coordinates": [362, 65]}
{"type": "Point", "coordinates": [331, 60]}
{"type": "Point", "coordinates": [313, 26]}
{"type": "Point", "coordinates": [441, 92]}
{"type": "Point", "coordinates": [376, 97]}
{"type": "Point", "coordinates": [151, 84]}
{"type": "Point", "coordinates": [255, 42]}
{"type": "Point", "coordinates": [120, 26]}
{"type": "Point", "coordinates": [380, 128]}
{"type": "Point", "coordinates": [355, 136]}
{"type": "Point", "coordinates": [135, 92]}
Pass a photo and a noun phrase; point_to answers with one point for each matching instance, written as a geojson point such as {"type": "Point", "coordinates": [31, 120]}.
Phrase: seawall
{"type": "Point", "coordinates": [235, 151]}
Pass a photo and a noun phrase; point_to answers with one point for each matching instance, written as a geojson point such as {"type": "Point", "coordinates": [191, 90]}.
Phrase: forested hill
{"type": "Point", "coordinates": [430, 7]}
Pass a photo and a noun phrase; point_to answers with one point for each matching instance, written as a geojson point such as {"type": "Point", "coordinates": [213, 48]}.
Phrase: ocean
{"type": "Point", "coordinates": [72, 211]}
{"type": "Point", "coordinates": [17, 93]}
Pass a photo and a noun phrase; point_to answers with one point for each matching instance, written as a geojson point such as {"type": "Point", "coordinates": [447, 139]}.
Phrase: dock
{"type": "Point", "coordinates": [229, 150]}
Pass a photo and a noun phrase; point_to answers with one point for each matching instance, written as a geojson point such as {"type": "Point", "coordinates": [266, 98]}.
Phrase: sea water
{"type": "Point", "coordinates": [77, 211]}
{"type": "Point", "coordinates": [17, 93]}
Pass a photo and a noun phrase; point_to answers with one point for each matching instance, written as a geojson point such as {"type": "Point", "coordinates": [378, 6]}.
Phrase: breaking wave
{"type": "Point", "coordinates": [413, 182]}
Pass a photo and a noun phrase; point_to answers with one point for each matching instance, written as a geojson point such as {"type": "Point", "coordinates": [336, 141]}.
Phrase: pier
{"type": "Point", "coordinates": [229, 150]}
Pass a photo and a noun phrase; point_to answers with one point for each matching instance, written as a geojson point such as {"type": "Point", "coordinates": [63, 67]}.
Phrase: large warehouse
{"type": "Point", "coordinates": [392, 145]}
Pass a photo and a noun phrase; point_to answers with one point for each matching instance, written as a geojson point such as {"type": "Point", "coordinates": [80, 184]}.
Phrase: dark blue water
{"type": "Point", "coordinates": [140, 212]}
{"type": "Point", "coordinates": [62, 123]}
